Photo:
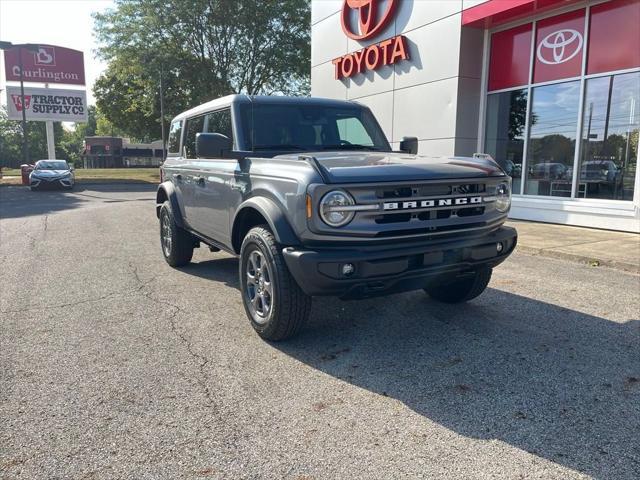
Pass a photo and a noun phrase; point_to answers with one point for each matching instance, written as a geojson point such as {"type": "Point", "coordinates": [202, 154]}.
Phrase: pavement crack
{"type": "Point", "coordinates": [136, 275]}
{"type": "Point", "coordinates": [200, 360]}
{"type": "Point", "coordinates": [83, 301]}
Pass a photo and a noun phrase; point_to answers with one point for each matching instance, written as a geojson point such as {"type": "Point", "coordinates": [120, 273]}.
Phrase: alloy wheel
{"type": "Point", "coordinates": [259, 289]}
{"type": "Point", "coordinates": [165, 234]}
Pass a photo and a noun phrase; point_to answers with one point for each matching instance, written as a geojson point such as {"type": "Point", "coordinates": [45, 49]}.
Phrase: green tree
{"type": "Point", "coordinates": [204, 49]}
{"type": "Point", "coordinates": [11, 140]}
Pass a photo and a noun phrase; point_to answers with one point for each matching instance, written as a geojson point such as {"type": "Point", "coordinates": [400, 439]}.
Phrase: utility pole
{"type": "Point", "coordinates": [25, 146]}
{"type": "Point", "coordinates": [164, 142]}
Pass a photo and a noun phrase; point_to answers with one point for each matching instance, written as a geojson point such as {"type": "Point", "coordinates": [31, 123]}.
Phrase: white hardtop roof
{"type": "Point", "coordinates": [205, 107]}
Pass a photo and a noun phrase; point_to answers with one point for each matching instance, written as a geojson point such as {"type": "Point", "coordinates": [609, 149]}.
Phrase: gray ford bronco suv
{"type": "Point", "coordinates": [309, 195]}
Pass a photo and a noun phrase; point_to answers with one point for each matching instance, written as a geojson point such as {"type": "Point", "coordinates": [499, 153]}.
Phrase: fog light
{"type": "Point", "coordinates": [348, 269]}
{"type": "Point", "coordinates": [499, 247]}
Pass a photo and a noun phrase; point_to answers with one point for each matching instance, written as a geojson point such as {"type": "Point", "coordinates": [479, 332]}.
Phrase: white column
{"type": "Point", "coordinates": [51, 146]}
{"type": "Point", "coordinates": [51, 143]}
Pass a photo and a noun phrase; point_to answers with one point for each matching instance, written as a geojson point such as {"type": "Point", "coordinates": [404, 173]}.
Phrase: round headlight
{"type": "Point", "coordinates": [503, 197]}
{"type": "Point", "coordinates": [331, 208]}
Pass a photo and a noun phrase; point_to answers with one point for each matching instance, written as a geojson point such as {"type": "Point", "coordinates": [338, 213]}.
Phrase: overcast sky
{"type": "Point", "coordinates": [67, 23]}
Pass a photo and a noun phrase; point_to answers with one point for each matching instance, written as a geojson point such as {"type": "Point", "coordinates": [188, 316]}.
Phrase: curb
{"type": "Point", "coordinates": [114, 181]}
{"type": "Point", "coordinates": [593, 262]}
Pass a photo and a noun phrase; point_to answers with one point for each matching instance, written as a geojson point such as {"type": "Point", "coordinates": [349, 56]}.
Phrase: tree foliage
{"type": "Point", "coordinates": [11, 140]}
{"type": "Point", "coordinates": [203, 48]}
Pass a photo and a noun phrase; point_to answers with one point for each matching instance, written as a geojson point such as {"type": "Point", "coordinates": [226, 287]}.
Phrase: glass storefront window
{"type": "Point", "coordinates": [552, 139]}
{"type": "Point", "coordinates": [610, 128]}
{"type": "Point", "coordinates": [558, 67]}
{"type": "Point", "coordinates": [504, 133]}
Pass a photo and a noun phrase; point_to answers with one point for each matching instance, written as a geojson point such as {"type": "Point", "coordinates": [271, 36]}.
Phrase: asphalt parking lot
{"type": "Point", "coordinates": [114, 365]}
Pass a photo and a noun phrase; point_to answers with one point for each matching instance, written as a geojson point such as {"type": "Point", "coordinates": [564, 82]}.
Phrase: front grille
{"type": "Point", "coordinates": [404, 192]}
{"type": "Point", "coordinates": [425, 208]}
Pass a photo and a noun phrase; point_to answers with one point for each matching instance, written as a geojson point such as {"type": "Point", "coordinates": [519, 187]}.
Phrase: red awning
{"type": "Point", "coordinates": [496, 12]}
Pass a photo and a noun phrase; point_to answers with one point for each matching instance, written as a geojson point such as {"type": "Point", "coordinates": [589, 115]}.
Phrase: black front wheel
{"type": "Point", "coordinates": [177, 243]}
{"type": "Point", "coordinates": [275, 304]}
{"type": "Point", "coordinates": [462, 289]}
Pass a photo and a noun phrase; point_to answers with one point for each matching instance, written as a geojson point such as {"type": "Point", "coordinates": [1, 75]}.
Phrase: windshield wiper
{"type": "Point", "coordinates": [281, 146]}
{"type": "Point", "coordinates": [350, 146]}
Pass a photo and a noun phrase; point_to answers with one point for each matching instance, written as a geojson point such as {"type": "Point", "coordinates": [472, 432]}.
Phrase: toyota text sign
{"type": "Point", "coordinates": [47, 104]}
{"type": "Point", "coordinates": [365, 20]}
{"type": "Point", "coordinates": [50, 64]}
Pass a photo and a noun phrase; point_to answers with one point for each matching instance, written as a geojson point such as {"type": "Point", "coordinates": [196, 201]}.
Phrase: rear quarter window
{"type": "Point", "coordinates": [173, 145]}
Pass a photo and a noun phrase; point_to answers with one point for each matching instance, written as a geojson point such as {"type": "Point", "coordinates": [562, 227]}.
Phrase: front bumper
{"type": "Point", "coordinates": [380, 270]}
{"type": "Point", "coordinates": [64, 182]}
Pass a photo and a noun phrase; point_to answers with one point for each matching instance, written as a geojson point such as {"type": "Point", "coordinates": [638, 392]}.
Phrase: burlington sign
{"type": "Point", "coordinates": [371, 22]}
{"type": "Point", "coordinates": [47, 104]}
{"type": "Point", "coordinates": [50, 64]}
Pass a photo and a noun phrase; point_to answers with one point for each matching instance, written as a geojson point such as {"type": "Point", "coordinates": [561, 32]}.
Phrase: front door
{"type": "Point", "coordinates": [211, 179]}
{"type": "Point", "coordinates": [190, 171]}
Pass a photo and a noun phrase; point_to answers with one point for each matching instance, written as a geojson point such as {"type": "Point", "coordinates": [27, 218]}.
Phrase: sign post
{"type": "Point", "coordinates": [51, 141]}
{"type": "Point", "coordinates": [25, 146]}
{"type": "Point", "coordinates": [51, 144]}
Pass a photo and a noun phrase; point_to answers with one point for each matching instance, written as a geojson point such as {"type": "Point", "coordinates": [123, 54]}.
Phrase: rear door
{"type": "Point", "coordinates": [174, 165]}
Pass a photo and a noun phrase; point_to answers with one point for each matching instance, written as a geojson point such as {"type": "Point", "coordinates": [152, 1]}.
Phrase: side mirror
{"type": "Point", "coordinates": [409, 145]}
{"type": "Point", "coordinates": [212, 145]}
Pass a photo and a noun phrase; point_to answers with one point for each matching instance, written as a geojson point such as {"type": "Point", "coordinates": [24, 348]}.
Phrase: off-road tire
{"type": "Point", "coordinates": [180, 250]}
{"type": "Point", "coordinates": [290, 306]}
{"type": "Point", "coordinates": [463, 289]}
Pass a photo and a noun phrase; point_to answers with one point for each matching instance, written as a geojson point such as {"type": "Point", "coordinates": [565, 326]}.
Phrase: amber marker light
{"type": "Point", "coordinates": [308, 206]}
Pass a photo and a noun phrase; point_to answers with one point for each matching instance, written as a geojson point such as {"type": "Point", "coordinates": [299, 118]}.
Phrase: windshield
{"type": "Point", "coordinates": [52, 165]}
{"type": "Point", "coordinates": [311, 128]}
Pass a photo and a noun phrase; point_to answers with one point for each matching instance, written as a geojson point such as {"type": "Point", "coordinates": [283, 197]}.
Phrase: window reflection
{"type": "Point", "coordinates": [504, 137]}
{"type": "Point", "coordinates": [610, 129]}
{"type": "Point", "coordinates": [552, 139]}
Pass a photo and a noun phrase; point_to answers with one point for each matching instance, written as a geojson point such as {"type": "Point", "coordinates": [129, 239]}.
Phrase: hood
{"type": "Point", "coordinates": [50, 173]}
{"type": "Point", "coordinates": [364, 167]}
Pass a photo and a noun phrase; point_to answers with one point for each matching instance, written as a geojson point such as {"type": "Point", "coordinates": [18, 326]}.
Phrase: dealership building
{"type": "Point", "coordinates": [549, 88]}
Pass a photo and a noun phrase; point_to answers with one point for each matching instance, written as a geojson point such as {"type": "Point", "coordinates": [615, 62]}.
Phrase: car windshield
{"type": "Point", "coordinates": [52, 165]}
{"type": "Point", "coordinates": [300, 127]}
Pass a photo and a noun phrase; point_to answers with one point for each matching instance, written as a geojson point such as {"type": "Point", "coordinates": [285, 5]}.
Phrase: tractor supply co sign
{"type": "Point", "coordinates": [47, 104]}
{"type": "Point", "coordinates": [50, 64]}
{"type": "Point", "coordinates": [363, 20]}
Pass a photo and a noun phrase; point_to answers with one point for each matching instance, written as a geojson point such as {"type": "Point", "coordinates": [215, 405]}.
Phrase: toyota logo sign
{"type": "Point", "coordinates": [559, 47]}
{"type": "Point", "coordinates": [370, 22]}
